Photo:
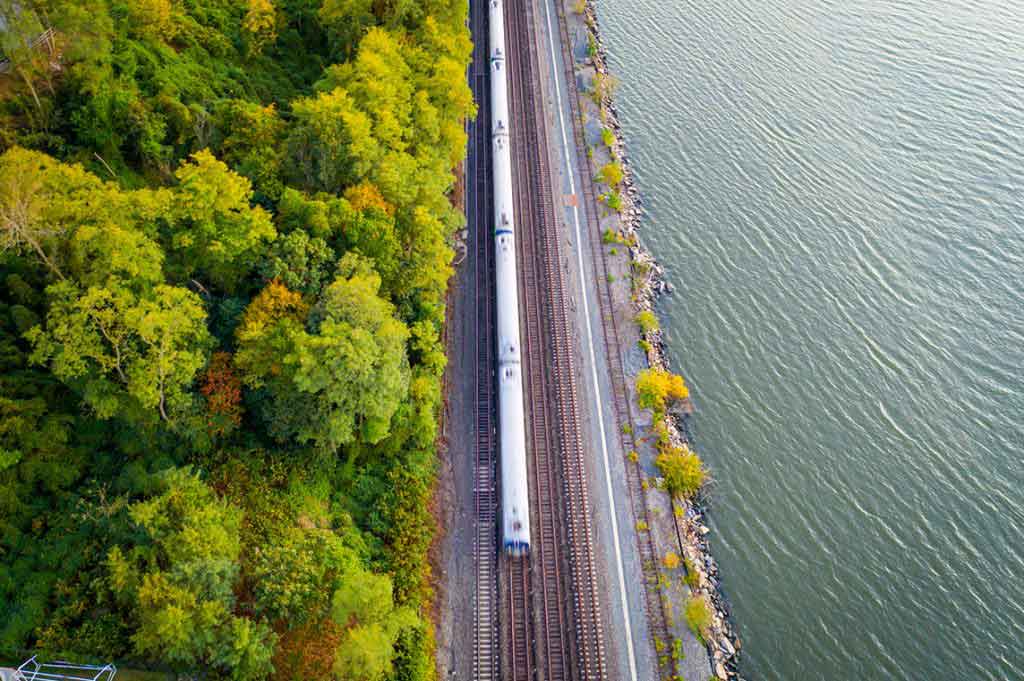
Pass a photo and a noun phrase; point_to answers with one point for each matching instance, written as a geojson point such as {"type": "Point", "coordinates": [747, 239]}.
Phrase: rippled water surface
{"type": "Point", "coordinates": [837, 191]}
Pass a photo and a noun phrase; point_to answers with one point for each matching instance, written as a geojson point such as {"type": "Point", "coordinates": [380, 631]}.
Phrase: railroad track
{"type": "Point", "coordinates": [486, 642]}
{"type": "Point", "coordinates": [623, 409]}
{"type": "Point", "coordinates": [569, 640]}
{"type": "Point", "coordinates": [550, 624]}
{"type": "Point", "coordinates": [547, 509]}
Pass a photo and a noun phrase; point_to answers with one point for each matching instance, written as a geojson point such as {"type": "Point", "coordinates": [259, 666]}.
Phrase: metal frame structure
{"type": "Point", "coordinates": [34, 670]}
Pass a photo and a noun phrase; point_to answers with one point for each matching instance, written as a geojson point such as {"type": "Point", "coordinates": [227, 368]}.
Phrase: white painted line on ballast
{"type": "Point", "coordinates": [593, 358]}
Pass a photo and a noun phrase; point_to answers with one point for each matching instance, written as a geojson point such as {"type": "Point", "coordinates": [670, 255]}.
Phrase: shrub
{"type": "Point", "coordinates": [614, 201]}
{"type": "Point", "coordinates": [604, 85]}
{"type": "Point", "coordinates": [691, 578]}
{"type": "Point", "coordinates": [644, 345]}
{"type": "Point", "coordinates": [608, 137]}
{"type": "Point", "coordinates": [670, 561]}
{"type": "Point", "coordinates": [611, 174]}
{"type": "Point", "coordinates": [683, 471]}
{"type": "Point", "coordinates": [657, 387]}
{"type": "Point", "coordinates": [698, 616]}
{"type": "Point", "coordinates": [580, 6]}
{"type": "Point", "coordinates": [647, 321]}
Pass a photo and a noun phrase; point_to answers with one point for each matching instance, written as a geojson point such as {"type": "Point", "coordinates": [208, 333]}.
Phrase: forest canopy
{"type": "Point", "coordinates": [226, 238]}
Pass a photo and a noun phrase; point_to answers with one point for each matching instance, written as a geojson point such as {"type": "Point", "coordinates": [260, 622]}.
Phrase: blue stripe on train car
{"type": "Point", "coordinates": [517, 547]}
{"type": "Point", "coordinates": [498, 232]}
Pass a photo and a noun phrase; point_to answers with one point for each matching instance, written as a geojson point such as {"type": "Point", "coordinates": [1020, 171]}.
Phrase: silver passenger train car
{"type": "Point", "coordinates": [515, 503]}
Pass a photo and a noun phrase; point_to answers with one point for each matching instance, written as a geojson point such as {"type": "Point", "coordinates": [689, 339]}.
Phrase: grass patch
{"type": "Point", "coordinates": [698, 616]}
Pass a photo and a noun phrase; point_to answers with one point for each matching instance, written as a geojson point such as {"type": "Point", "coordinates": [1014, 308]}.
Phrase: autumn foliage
{"type": "Point", "coordinates": [223, 391]}
{"type": "Point", "coordinates": [682, 470]}
{"type": "Point", "coordinates": [366, 195]}
{"type": "Point", "coordinates": [657, 388]}
{"type": "Point", "coordinates": [307, 652]}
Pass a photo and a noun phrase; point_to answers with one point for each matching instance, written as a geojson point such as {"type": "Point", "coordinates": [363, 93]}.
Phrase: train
{"type": "Point", "coordinates": [515, 498]}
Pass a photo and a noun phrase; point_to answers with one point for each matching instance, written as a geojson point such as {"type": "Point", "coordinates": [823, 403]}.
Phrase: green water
{"type": "Point", "coordinates": [837, 192]}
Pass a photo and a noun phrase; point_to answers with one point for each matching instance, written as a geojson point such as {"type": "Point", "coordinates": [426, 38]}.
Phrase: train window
{"type": "Point", "coordinates": [516, 525]}
{"type": "Point", "coordinates": [508, 373]}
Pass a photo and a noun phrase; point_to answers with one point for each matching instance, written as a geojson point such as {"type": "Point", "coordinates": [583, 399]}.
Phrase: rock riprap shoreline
{"type": "Point", "coordinates": [678, 527]}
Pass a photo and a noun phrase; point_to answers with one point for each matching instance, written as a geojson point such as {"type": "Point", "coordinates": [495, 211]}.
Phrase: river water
{"type": "Point", "coordinates": [837, 191]}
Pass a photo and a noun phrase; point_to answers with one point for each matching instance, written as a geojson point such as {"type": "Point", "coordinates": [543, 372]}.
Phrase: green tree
{"type": "Point", "coordinates": [252, 143]}
{"type": "Point", "coordinates": [178, 582]}
{"type": "Point", "coordinates": [102, 255]}
{"type": "Point", "coordinates": [215, 228]}
{"type": "Point", "coordinates": [265, 335]}
{"type": "Point", "coordinates": [22, 28]}
{"type": "Point", "coordinates": [364, 605]}
{"type": "Point", "coordinates": [332, 143]}
{"type": "Point", "coordinates": [44, 204]}
{"type": "Point", "coordinates": [300, 262]}
{"type": "Point", "coordinates": [345, 21]}
{"type": "Point", "coordinates": [174, 345]}
{"type": "Point", "coordinates": [354, 369]}
{"type": "Point", "coordinates": [152, 19]}
{"type": "Point", "coordinates": [295, 573]}
{"type": "Point", "coordinates": [260, 24]}
{"type": "Point", "coordinates": [34, 191]}
{"type": "Point", "coordinates": [120, 349]}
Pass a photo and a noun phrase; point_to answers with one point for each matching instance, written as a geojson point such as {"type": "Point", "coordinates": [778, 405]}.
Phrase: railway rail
{"type": "Point", "coordinates": [486, 642]}
{"type": "Point", "coordinates": [547, 512]}
{"type": "Point", "coordinates": [569, 641]}
{"type": "Point", "coordinates": [543, 612]}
